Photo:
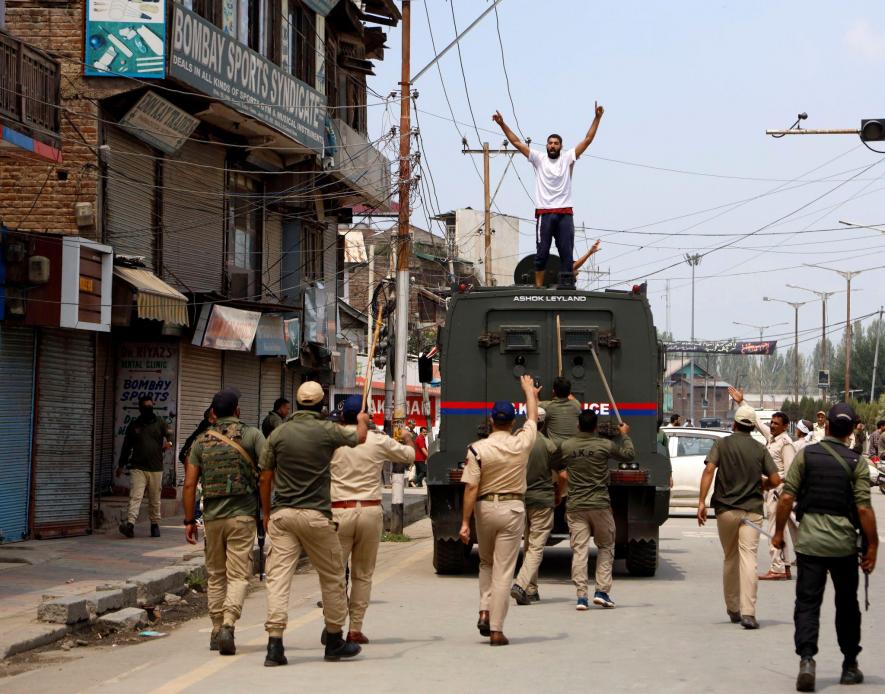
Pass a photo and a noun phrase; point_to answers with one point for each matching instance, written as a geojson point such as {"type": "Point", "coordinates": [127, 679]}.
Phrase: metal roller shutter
{"type": "Point", "coordinates": [129, 196]}
{"type": "Point", "coordinates": [242, 371]}
{"type": "Point", "coordinates": [16, 410]}
{"type": "Point", "coordinates": [104, 414]}
{"type": "Point", "coordinates": [273, 254]}
{"type": "Point", "coordinates": [200, 379]}
{"type": "Point", "coordinates": [193, 218]}
{"type": "Point", "coordinates": [63, 447]}
{"type": "Point", "coordinates": [271, 372]}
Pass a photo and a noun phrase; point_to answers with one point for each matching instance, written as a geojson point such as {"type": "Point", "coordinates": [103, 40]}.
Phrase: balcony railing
{"type": "Point", "coordinates": [29, 87]}
{"type": "Point", "coordinates": [364, 168]}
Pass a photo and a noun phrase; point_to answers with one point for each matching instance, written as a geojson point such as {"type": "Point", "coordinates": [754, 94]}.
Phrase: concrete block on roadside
{"type": "Point", "coordinates": [151, 586]}
{"type": "Point", "coordinates": [68, 609]}
{"type": "Point", "coordinates": [29, 636]}
{"type": "Point", "coordinates": [124, 620]}
{"type": "Point", "coordinates": [196, 570]}
{"type": "Point", "coordinates": [101, 601]}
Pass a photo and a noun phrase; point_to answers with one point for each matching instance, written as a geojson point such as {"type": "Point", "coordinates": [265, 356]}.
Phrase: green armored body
{"type": "Point", "coordinates": [494, 335]}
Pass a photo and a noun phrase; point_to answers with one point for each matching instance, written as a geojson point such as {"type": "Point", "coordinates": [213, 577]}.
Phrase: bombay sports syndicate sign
{"type": "Point", "coordinates": [204, 57]}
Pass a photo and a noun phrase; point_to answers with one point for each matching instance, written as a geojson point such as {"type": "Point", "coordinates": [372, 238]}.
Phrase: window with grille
{"type": "Point", "coordinates": [244, 236]}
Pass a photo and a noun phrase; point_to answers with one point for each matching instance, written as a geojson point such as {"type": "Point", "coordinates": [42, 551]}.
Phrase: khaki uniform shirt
{"type": "Point", "coordinates": [504, 457]}
{"type": "Point", "coordinates": [586, 457]}
{"type": "Point", "coordinates": [780, 447]}
{"type": "Point", "coordinates": [818, 433]}
{"type": "Point", "coordinates": [299, 452]}
{"type": "Point", "coordinates": [230, 506]}
{"type": "Point", "coordinates": [356, 472]}
{"type": "Point", "coordinates": [820, 534]}
{"type": "Point", "coordinates": [561, 418]}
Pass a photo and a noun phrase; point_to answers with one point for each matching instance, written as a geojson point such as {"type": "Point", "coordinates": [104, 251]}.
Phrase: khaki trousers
{"type": "Point", "coordinates": [539, 523]}
{"type": "Point", "coordinates": [499, 527]}
{"type": "Point", "coordinates": [740, 544]}
{"type": "Point", "coordinates": [138, 481]}
{"type": "Point", "coordinates": [291, 531]}
{"type": "Point", "coordinates": [778, 557]}
{"type": "Point", "coordinates": [600, 523]}
{"type": "Point", "coordinates": [229, 543]}
{"type": "Point", "coordinates": [359, 531]}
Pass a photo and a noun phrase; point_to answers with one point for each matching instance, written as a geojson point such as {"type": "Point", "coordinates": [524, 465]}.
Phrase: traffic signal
{"type": "Point", "coordinates": [382, 349]}
{"type": "Point", "coordinates": [872, 129]}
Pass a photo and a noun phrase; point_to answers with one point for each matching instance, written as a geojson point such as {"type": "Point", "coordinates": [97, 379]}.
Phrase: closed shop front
{"type": "Point", "coordinates": [129, 192]}
{"type": "Point", "coordinates": [273, 255]}
{"type": "Point", "coordinates": [193, 218]}
{"type": "Point", "coordinates": [272, 386]}
{"type": "Point", "coordinates": [200, 379]}
{"type": "Point", "coordinates": [16, 410]}
{"type": "Point", "coordinates": [242, 371]}
{"type": "Point", "coordinates": [63, 439]}
{"type": "Point", "coordinates": [104, 413]}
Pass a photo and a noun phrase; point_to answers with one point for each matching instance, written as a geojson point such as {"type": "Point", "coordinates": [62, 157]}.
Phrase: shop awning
{"type": "Point", "coordinates": [155, 299]}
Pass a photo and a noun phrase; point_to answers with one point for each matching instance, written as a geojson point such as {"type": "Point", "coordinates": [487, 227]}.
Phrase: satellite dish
{"type": "Point", "coordinates": [524, 275]}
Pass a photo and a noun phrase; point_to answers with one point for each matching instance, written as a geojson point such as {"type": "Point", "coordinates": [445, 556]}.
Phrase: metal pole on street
{"type": "Point", "coordinates": [692, 260]}
{"type": "Point", "coordinates": [796, 306]}
{"type": "Point", "coordinates": [824, 355]}
{"type": "Point", "coordinates": [876, 358]}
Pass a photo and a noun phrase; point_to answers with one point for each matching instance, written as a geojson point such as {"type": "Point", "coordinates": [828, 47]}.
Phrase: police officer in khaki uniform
{"type": "Point", "coordinates": [225, 459]}
{"type": "Point", "coordinates": [356, 506]}
{"type": "Point", "coordinates": [295, 465]}
{"type": "Point", "coordinates": [541, 497]}
{"type": "Point", "coordinates": [562, 412]}
{"type": "Point", "coordinates": [584, 459]}
{"type": "Point", "coordinates": [831, 484]}
{"type": "Point", "coordinates": [495, 485]}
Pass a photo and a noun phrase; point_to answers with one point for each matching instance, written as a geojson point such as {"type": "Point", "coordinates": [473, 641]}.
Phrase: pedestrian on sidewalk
{"type": "Point", "coordinates": [877, 444]}
{"type": "Point", "coordinates": [831, 484]}
{"type": "Point", "coordinates": [554, 213]}
{"type": "Point", "coordinates": [147, 436]}
{"type": "Point", "coordinates": [356, 506]}
{"type": "Point", "coordinates": [779, 445]}
{"type": "Point", "coordinates": [224, 459]}
{"type": "Point", "coordinates": [739, 463]}
{"type": "Point", "coordinates": [421, 458]}
{"type": "Point", "coordinates": [281, 410]}
{"type": "Point", "coordinates": [494, 479]}
{"type": "Point", "coordinates": [584, 462]}
{"type": "Point", "coordinates": [542, 495]}
{"type": "Point", "coordinates": [295, 466]}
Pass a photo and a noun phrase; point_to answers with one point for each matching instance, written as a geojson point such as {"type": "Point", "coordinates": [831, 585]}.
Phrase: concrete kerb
{"type": "Point", "coordinates": [30, 636]}
{"type": "Point", "coordinates": [151, 586]}
{"type": "Point", "coordinates": [125, 619]}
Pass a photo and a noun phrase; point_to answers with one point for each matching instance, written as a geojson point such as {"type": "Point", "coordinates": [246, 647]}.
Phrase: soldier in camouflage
{"type": "Point", "coordinates": [224, 458]}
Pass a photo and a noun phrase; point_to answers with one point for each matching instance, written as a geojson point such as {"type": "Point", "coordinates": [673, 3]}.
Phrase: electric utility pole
{"type": "Point", "coordinates": [796, 306]}
{"type": "Point", "coordinates": [824, 355]}
{"type": "Point", "coordinates": [486, 152]}
{"type": "Point", "coordinates": [403, 257]}
{"type": "Point", "coordinates": [876, 358]}
{"type": "Point", "coordinates": [692, 260]}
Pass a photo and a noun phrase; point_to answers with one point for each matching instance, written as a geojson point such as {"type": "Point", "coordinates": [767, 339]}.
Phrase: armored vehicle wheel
{"type": "Point", "coordinates": [642, 557]}
{"type": "Point", "coordinates": [451, 557]}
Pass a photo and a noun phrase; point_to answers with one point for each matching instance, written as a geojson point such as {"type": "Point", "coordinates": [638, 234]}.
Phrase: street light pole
{"type": "Point", "coordinates": [823, 296]}
{"type": "Point", "coordinates": [761, 329]}
{"type": "Point", "coordinates": [692, 260]}
{"type": "Point", "coordinates": [876, 358]}
{"type": "Point", "coordinates": [796, 306]}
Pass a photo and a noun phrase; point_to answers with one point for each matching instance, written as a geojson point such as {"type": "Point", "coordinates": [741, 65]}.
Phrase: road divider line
{"type": "Point", "coordinates": [218, 663]}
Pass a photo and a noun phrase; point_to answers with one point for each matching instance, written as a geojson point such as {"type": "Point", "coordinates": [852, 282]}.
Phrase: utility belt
{"type": "Point", "coordinates": [501, 497]}
{"type": "Point", "coordinates": [356, 503]}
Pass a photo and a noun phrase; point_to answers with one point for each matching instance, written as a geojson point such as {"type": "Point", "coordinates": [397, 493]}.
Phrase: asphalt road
{"type": "Point", "coordinates": [668, 634]}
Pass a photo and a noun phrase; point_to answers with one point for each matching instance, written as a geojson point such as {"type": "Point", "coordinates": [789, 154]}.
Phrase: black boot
{"type": "Point", "coordinates": [275, 654]}
{"type": "Point", "coordinates": [337, 648]}
{"type": "Point", "coordinates": [805, 680]}
{"type": "Point", "coordinates": [324, 636]}
{"type": "Point", "coordinates": [226, 645]}
{"type": "Point", "coordinates": [155, 530]}
{"type": "Point", "coordinates": [127, 529]}
{"type": "Point", "coordinates": [213, 638]}
{"type": "Point", "coordinates": [851, 674]}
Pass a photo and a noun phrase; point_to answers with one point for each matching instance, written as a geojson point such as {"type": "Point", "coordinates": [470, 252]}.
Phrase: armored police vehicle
{"type": "Point", "coordinates": [494, 335]}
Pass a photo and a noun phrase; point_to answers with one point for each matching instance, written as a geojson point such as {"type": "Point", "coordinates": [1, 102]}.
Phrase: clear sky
{"type": "Point", "coordinates": [688, 86]}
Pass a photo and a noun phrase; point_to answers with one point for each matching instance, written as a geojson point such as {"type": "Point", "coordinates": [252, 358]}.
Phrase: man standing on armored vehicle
{"type": "Point", "coordinates": [495, 485]}
{"type": "Point", "coordinates": [554, 213]}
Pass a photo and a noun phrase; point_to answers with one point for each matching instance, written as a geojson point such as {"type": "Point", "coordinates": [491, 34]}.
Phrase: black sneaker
{"type": "Point", "coordinates": [213, 639]}
{"type": "Point", "coordinates": [735, 617]}
{"type": "Point", "coordinates": [337, 648]}
{"type": "Point", "coordinates": [275, 654]}
{"type": "Point", "coordinates": [324, 636]}
{"type": "Point", "coordinates": [851, 674]}
{"type": "Point", "coordinates": [226, 645]}
{"type": "Point", "coordinates": [155, 530]}
{"type": "Point", "coordinates": [127, 529]}
{"type": "Point", "coordinates": [748, 621]}
{"type": "Point", "coordinates": [805, 680]}
{"type": "Point", "coordinates": [534, 597]}
{"type": "Point", "coordinates": [518, 593]}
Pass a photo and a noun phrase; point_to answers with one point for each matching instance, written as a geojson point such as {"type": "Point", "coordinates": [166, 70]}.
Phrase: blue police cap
{"type": "Point", "coordinates": [503, 411]}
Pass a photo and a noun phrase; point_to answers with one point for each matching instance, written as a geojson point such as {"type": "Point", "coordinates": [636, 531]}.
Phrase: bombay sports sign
{"type": "Point", "coordinates": [549, 299]}
{"type": "Point", "coordinates": [204, 57]}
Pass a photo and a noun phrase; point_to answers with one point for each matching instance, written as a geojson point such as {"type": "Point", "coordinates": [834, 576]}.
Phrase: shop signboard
{"type": "Point", "coordinates": [293, 339]}
{"type": "Point", "coordinates": [228, 328]}
{"type": "Point", "coordinates": [125, 38]}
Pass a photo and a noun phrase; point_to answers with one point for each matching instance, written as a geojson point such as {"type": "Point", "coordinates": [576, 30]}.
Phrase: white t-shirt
{"type": "Point", "coordinates": [553, 179]}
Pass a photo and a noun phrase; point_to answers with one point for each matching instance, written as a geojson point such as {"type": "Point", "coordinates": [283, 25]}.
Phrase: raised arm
{"type": "Point", "coordinates": [588, 138]}
{"type": "Point", "coordinates": [510, 135]}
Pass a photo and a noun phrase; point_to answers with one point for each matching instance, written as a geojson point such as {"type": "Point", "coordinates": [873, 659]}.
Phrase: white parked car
{"type": "Point", "coordinates": [688, 447]}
